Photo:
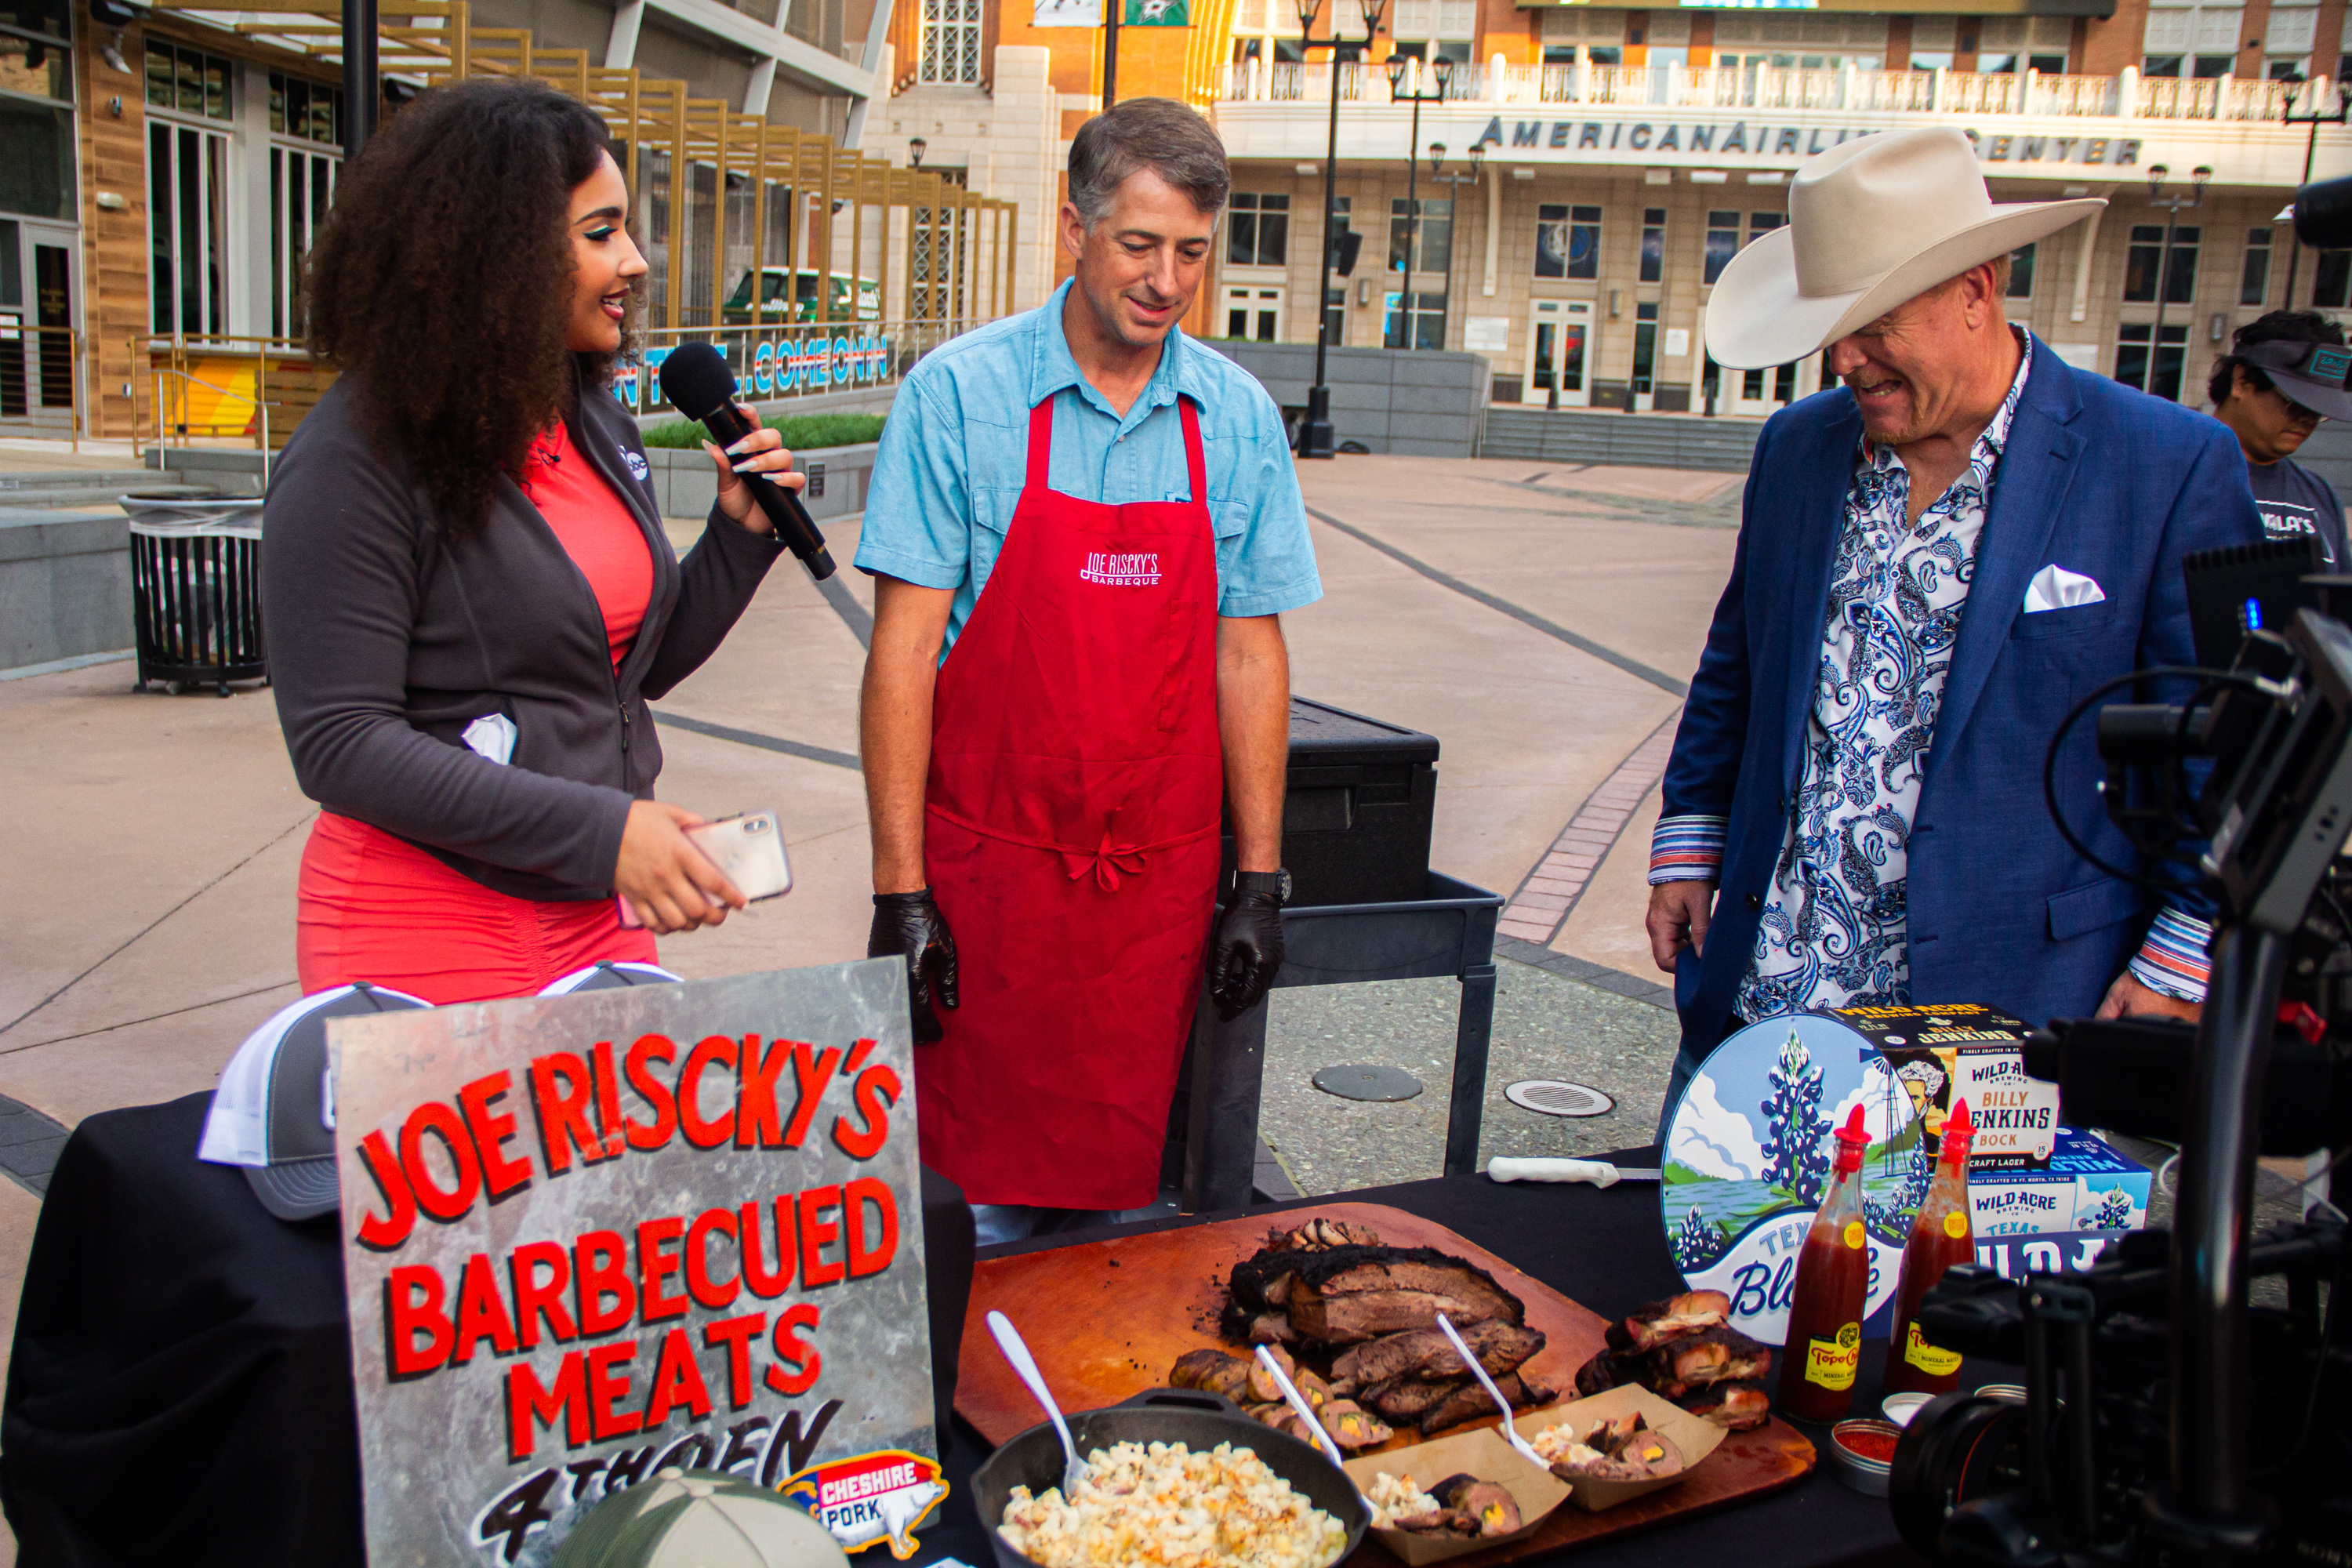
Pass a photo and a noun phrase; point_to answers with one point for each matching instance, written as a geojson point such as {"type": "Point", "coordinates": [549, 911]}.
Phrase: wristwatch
{"type": "Point", "coordinates": [1276, 884]}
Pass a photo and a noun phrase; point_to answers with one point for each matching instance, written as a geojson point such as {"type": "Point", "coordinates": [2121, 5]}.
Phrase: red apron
{"type": "Point", "coordinates": [1071, 840]}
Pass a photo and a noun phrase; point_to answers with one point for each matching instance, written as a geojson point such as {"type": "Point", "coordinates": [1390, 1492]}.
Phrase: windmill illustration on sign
{"type": "Point", "coordinates": [1747, 1161]}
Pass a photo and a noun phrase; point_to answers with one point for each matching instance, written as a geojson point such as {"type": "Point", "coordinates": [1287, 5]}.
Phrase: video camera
{"type": "Point", "coordinates": [2167, 1419]}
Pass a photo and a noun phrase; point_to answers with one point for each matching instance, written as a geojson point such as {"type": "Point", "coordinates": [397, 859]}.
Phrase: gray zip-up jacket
{"type": "Point", "coordinates": [387, 637]}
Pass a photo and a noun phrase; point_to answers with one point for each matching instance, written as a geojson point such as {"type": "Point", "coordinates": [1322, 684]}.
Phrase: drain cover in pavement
{"type": "Point", "coordinates": [1354, 1082]}
{"type": "Point", "coordinates": [1549, 1097]}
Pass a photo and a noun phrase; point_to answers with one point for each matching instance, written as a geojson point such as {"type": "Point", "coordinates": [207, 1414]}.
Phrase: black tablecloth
{"type": "Point", "coordinates": [180, 1389]}
{"type": "Point", "coordinates": [1607, 1250]}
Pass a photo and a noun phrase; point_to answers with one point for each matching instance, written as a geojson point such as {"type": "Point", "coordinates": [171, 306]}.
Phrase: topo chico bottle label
{"type": "Point", "coordinates": [1933, 1360]}
{"type": "Point", "coordinates": [1832, 1363]}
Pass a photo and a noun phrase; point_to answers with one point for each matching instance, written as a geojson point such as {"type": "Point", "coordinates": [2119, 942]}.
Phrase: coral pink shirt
{"type": "Point", "coordinates": [597, 530]}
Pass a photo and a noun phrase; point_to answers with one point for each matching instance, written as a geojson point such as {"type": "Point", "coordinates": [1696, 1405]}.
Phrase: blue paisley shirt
{"type": "Point", "coordinates": [1834, 929]}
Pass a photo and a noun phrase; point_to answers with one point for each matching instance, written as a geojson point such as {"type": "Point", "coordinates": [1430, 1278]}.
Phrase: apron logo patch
{"type": "Point", "coordinates": [638, 468]}
{"type": "Point", "coordinates": [1120, 570]}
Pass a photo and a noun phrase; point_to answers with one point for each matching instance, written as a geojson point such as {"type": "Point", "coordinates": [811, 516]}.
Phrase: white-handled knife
{"type": "Point", "coordinates": [1599, 1172]}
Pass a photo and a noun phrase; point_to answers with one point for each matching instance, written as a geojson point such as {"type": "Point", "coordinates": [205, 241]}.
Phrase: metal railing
{"type": "Point", "coordinates": [43, 390]}
{"type": "Point", "coordinates": [2224, 99]}
{"type": "Point", "coordinates": [218, 389]}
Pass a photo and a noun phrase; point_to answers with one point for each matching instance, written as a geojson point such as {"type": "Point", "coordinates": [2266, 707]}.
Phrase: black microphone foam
{"type": "Point", "coordinates": [696, 380]}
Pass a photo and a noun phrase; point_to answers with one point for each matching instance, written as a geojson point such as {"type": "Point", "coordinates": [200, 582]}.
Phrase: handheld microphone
{"type": "Point", "coordinates": [696, 380]}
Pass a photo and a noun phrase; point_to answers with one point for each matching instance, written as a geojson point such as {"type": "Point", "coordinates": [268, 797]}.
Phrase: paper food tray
{"type": "Point", "coordinates": [1695, 1436]}
{"type": "Point", "coordinates": [1483, 1454]}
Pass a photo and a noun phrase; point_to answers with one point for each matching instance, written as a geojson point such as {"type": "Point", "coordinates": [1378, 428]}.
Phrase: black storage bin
{"type": "Point", "coordinates": [1356, 821]}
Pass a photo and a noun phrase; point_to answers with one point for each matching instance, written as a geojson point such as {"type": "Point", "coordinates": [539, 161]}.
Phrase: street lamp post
{"type": "Point", "coordinates": [1399, 68]}
{"type": "Point", "coordinates": [2172, 204]}
{"type": "Point", "coordinates": [1437, 166]}
{"type": "Point", "coordinates": [1314, 430]}
{"type": "Point", "coordinates": [2287, 116]}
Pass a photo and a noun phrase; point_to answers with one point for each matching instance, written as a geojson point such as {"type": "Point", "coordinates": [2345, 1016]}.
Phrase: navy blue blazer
{"type": "Point", "coordinates": [2099, 480]}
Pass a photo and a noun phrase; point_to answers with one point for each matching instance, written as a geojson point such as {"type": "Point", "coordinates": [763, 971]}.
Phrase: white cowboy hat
{"type": "Point", "coordinates": [1872, 223]}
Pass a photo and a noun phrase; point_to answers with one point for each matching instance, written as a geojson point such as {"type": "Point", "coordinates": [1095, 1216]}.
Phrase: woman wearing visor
{"type": "Point", "coordinates": [2283, 374]}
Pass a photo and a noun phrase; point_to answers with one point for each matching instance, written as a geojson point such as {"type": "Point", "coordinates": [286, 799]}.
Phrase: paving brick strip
{"type": "Point", "coordinates": [1550, 892]}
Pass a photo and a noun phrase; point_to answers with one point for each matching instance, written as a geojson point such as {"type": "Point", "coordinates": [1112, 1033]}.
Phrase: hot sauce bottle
{"type": "Point", "coordinates": [1940, 1237]}
{"type": "Point", "coordinates": [1824, 1347]}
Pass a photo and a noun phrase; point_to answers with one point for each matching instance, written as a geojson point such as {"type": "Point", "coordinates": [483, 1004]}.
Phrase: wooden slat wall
{"type": "Point", "coordinates": [114, 244]}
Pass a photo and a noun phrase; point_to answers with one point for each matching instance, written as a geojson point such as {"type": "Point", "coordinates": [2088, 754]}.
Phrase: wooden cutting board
{"type": "Point", "coordinates": [1107, 1319]}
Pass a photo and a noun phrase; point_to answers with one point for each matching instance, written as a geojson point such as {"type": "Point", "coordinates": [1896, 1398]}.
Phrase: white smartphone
{"type": "Point", "coordinates": [749, 849]}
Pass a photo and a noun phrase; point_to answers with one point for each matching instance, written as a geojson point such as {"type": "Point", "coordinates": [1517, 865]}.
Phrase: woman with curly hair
{"type": "Point", "coordinates": [468, 591]}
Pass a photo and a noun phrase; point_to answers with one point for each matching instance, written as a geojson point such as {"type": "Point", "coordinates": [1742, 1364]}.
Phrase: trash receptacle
{"type": "Point", "coordinates": [195, 590]}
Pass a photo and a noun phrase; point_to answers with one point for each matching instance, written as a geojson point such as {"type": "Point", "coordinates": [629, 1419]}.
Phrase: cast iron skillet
{"type": "Point", "coordinates": [1199, 1420]}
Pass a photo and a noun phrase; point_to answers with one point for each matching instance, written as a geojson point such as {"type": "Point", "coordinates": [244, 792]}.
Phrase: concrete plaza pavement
{"type": "Point", "coordinates": [1537, 620]}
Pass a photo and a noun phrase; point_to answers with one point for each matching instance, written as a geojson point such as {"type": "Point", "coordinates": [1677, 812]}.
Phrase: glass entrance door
{"type": "Point", "coordinates": [1560, 342]}
{"type": "Point", "coordinates": [39, 300]}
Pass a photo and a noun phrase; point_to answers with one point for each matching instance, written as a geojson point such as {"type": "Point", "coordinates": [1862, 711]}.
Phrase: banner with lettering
{"type": "Point", "coordinates": [592, 1237]}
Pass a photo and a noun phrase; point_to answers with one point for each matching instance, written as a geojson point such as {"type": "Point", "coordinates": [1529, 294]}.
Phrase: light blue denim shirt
{"type": "Point", "coordinates": [955, 456]}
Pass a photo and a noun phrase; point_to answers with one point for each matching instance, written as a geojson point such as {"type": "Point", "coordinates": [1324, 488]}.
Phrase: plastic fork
{"type": "Point", "coordinates": [1493, 1393]}
{"type": "Point", "coordinates": [1008, 1339]}
{"type": "Point", "coordinates": [1298, 1401]}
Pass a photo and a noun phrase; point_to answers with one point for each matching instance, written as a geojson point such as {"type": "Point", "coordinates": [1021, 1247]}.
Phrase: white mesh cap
{"type": "Point", "coordinates": [611, 975]}
{"type": "Point", "coordinates": [274, 1111]}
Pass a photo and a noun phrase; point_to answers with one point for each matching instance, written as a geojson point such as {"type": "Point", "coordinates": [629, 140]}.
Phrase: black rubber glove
{"type": "Point", "coordinates": [909, 926]}
{"type": "Point", "coordinates": [1245, 952]}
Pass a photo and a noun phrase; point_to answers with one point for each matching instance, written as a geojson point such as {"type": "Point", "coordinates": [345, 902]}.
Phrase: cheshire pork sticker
{"type": "Point", "coordinates": [1747, 1164]}
{"type": "Point", "coordinates": [871, 1498]}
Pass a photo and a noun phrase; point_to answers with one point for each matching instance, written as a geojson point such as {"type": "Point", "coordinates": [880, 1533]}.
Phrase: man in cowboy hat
{"type": "Point", "coordinates": [2283, 374]}
{"type": "Point", "coordinates": [1935, 560]}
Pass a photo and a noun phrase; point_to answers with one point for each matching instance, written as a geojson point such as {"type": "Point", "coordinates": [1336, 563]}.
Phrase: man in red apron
{"type": "Point", "coordinates": [1098, 520]}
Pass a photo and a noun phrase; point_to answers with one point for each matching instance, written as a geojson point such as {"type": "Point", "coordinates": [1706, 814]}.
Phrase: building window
{"type": "Point", "coordinates": [306, 111]}
{"type": "Point", "coordinates": [2020, 273]}
{"type": "Point", "coordinates": [1335, 317]}
{"type": "Point", "coordinates": [951, 41]}
{"type": "Point", "coordinates": [2140, 264]}
{"type": "Point", "coordinates": [1451, 24]}
{"type": "Point", "coordinates": [2254, 282]}
{"type": "Point", "coordinates": [1568, 241]}
{"type": "Point", "coordinates": [1433, 236]}
{"type": "Point", "coordinates": [2331, 279]}
{"type": "Point", "coordinates": [1722, 243]}
{"type": "Point", "coordinates": [187, 227]}
{"type": "Point", "coordinates": [1257, 231]}
{"type": "Point", "coordinates": [1653, 244]}
{"type": "Point", "coordinates": [2131, 359]}
{"type": "Point", "coordinates": [187, 81]}
{"type": "Point", "coordinates": [36, 59]}
{"type": "Point", "coordinates": [1428, 320]}
{"type": "Point", "coordinates": [1761, 223]}
{"type": "Point", "coordinates": [301, 185]}
{"type": "Point", "coordinates": [1645, 347]}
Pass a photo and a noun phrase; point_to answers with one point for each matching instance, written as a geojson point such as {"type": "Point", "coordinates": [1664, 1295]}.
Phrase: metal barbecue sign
{"type": "Point", "coordinates": [589, 1237]}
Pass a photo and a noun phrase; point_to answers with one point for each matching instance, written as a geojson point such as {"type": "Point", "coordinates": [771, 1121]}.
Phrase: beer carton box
{"type": "Point", "coordinates": [1972, 1052]}
{"type": "Point", "coordinates": [2083, 1187]}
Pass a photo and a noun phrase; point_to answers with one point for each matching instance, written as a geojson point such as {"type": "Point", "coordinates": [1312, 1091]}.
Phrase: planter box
{"type": "Point", "coordinates": [687, 486]}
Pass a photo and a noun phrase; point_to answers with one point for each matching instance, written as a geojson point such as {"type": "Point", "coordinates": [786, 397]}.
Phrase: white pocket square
{"type": "Point", "coordinates": [2055, 588]}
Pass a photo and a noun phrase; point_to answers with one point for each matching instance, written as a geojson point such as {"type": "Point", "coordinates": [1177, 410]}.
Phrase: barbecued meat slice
{"type": "Point", "coordinates": [1605, 1370]}
{"type": "Point", "coordinates": [1711, 1355]}
{"type": "Point", "coordinates": [1496, 1511]}
{"type": "Point", "coordinates": [1215, 1371]}
{"type": "Point", "coordinates": [1655, 1323]}
{"type": "Point", "coordinates": [1350, 1294]}
{"type": "Point", "coordinates": [1322, 1235]}
{"type": "Point", "coordinates": [1352, 1426]}
{"type": "Point", "coordinates": [1262, 1382]}
{"type": "Point", "coordinates": [1439, 1522]}
{"type": "Point", "coordinates": [1733, 1405]}
{"type": "Point", "coordinates": [1260, 1284]}
{"type": "Point", "coordinates": [1468, 1402]}
{"type": "Point", "coordinates": [1404, 1400]}
{"type": "Point", "coordinates": [1425, 1353]}
{"type": "Point", "coordinates": [1270, 1328]}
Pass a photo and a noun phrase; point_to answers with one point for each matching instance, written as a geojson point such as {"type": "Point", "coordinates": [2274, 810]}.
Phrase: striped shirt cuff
{"type": "Point", "coordinates": [1687, 848]}
{"type": "Point", "coordinates": [2172, 962]}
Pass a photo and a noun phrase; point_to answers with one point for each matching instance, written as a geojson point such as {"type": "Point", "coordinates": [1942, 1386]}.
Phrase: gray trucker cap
{"type": "Point", "coordinates": [274, 1113]}
{"type": "Point", "coordinates": [2314, 374]}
